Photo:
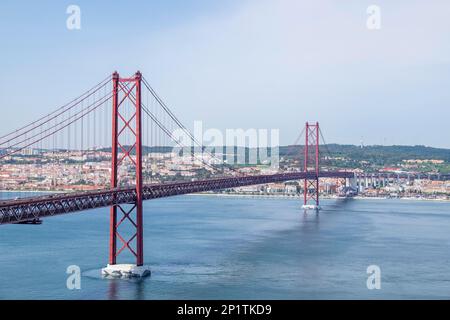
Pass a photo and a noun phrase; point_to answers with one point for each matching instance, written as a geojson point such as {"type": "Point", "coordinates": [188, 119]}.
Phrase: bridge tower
{"type": "Point", "coordinates": [311, 167]}
{"type": "Point", "coordinates": [126, 119]}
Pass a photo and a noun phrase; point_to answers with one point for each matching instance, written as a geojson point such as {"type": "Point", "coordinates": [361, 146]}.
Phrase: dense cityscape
{"type": "Point", "coordinates": [64, 171]}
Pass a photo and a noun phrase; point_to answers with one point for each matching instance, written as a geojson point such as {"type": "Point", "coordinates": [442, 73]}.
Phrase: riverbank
{"type": "Point", "coordinates": [33, 191]}
{"type": "Point", "coordinates": [254, 196]}
{"type": "Point", "coordinates": [296, 197]}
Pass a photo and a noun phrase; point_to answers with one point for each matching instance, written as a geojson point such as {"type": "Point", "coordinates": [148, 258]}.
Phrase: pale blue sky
{"type": "Point", "coordinates": [243, 64]}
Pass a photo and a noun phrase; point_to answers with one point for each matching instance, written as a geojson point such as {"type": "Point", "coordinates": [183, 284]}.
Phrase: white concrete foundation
{"type": "Point", "coordinates": [310, 207]}
{"type": "Point", "coordinates": [125, 271]}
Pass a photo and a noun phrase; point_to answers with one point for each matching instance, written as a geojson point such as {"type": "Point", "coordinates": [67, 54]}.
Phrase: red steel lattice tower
{"type": "Point", "coordinates": [311, 164]}
{"type": "Point", "coordinates": [124, 122]}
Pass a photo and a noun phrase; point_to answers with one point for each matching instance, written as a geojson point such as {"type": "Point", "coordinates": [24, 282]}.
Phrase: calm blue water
{"type": "Point", "coordinates": [205, 247]}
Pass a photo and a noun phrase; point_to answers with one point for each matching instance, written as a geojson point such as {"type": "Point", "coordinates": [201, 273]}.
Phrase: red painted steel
{"type": "Point", "coordinates": [317, 163]}
{"type": "Point", "coordinates": [127, 121]}
{"type": "Point", "coordinates": [139, 197]}
{"type": "Point", "coordinates": [113, 209]}
{"type": "Point", "coordinates": [311, 184]}
{"type": "Point", "coordinates": [305, 168]}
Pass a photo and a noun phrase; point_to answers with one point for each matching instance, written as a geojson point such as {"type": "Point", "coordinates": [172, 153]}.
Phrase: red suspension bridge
{"type": "Point", "coordinates": [124, 115]}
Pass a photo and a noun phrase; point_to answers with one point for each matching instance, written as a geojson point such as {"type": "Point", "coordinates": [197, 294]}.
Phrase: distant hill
{"type": "Point", "coordinates": [381, 155]}
{"type": "Point", "coordinates": [388, 154]}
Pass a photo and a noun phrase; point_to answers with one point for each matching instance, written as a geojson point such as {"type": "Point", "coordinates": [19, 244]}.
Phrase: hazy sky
{"type": "Point", "coordinates": [243, 64]}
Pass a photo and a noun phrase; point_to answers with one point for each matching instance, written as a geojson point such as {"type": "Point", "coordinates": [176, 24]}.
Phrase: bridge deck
{"type": "Point", "coordinates": [25, 209]}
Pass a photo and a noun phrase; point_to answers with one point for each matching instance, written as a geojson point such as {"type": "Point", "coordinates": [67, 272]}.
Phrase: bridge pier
{"type": "Point", "coordinates": [32, 221]}
{"type": "Point", "coordinates": [125, 271]}
{"type": "Point", "coordinates": [360, 179]}
{"type": "Point", "coordinates": [352, 182]}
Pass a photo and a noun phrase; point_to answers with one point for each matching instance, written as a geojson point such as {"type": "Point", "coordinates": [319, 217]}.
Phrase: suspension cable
{"type": "Point", "coordinates": [52, 115]}
{"type": "Point", "coordinates": [55, 131]}
{"type": "Point", "coordinates": [182, 127]}
{"type": "Point", "coordinates": [56, 125]}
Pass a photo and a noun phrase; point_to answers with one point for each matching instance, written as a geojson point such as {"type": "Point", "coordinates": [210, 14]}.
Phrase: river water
{"type": "Point", "coordinates": [211, 247]}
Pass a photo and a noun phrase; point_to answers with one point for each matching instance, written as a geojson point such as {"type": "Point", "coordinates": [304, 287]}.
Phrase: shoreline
{"type": "Point", "coordinates": [275, 196]}
{"type": "Point", "coordinates": [33, 191]}
{"type": "Point", "coordinates": [297, 197]}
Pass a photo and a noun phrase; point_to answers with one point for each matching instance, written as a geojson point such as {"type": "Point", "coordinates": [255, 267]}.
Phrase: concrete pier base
{"type": "Point", "coordinates": [125, 271]}
{"type": "Point", "coordinates": [311, 207]}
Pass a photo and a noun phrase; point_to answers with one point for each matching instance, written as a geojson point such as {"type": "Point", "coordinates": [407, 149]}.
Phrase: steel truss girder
{"type": "Point", "coordinates": [14, 211]}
